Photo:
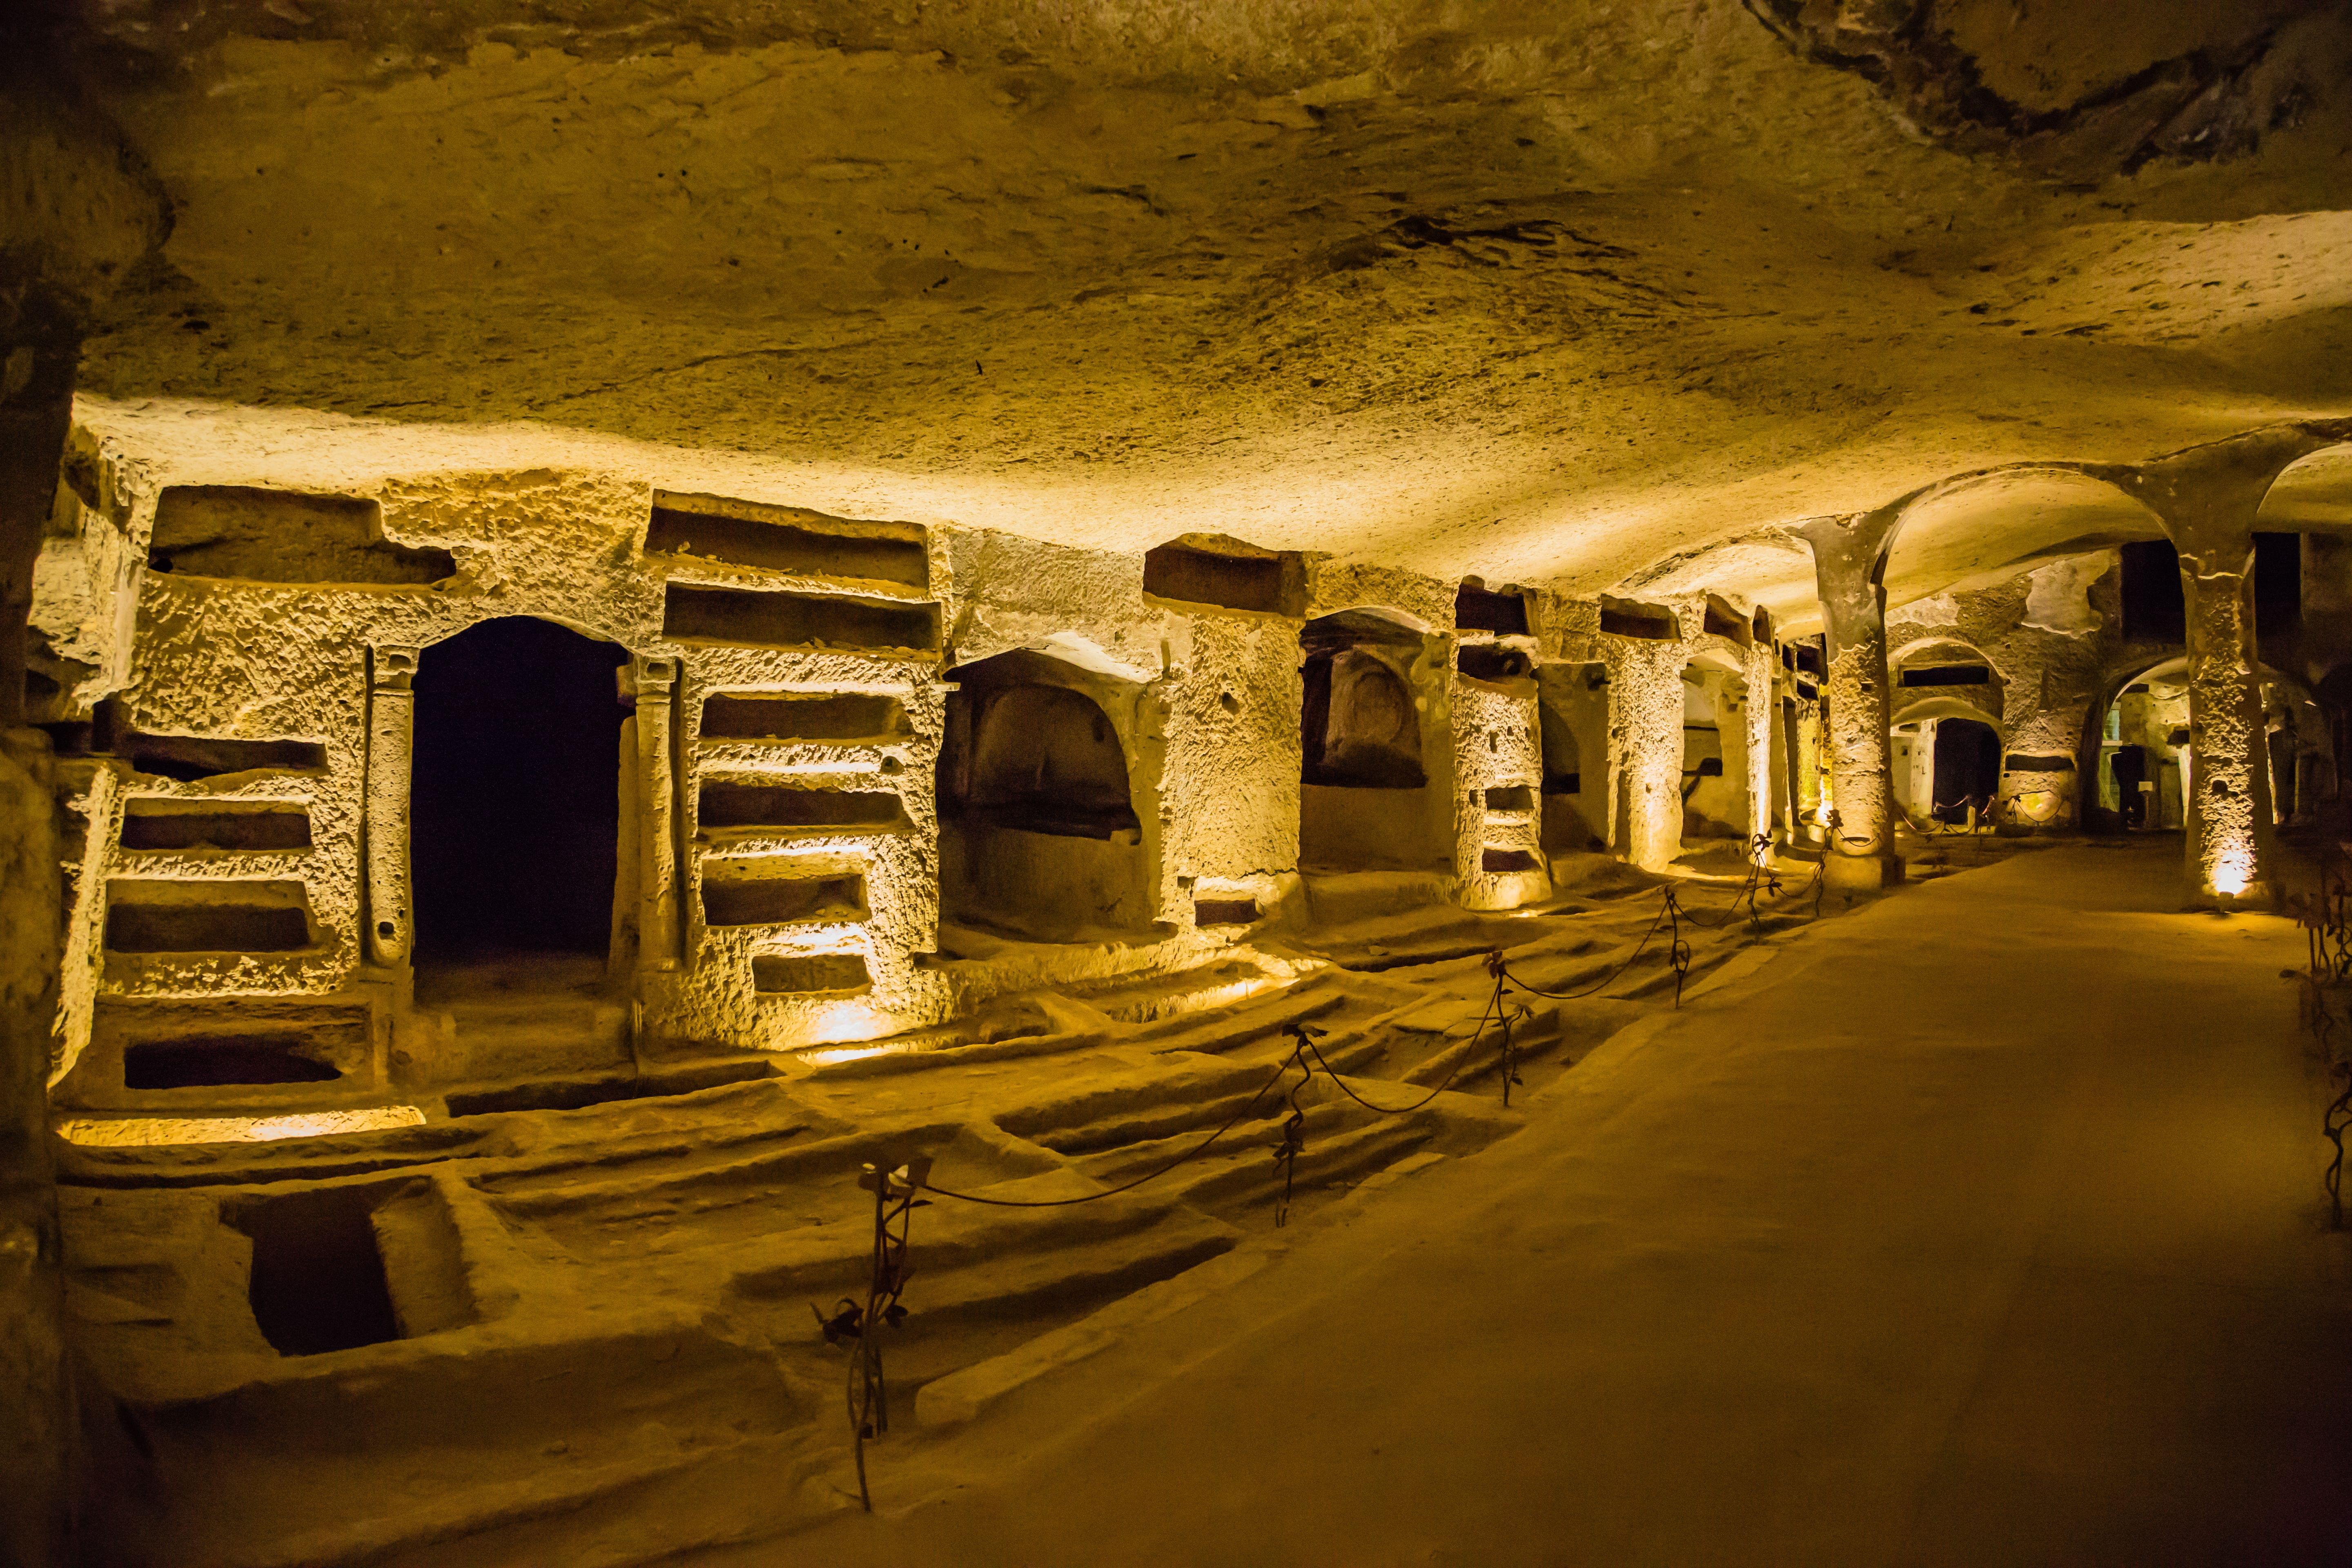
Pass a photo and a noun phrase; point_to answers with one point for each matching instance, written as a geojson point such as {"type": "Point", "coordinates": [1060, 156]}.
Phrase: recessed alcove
{"type": "Point", "coordinates": [1365, 801]}
{"type": "Point", "coordinates": [1039, 830]}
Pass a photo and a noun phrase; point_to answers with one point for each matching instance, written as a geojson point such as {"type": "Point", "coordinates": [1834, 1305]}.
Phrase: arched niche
{"type": "Point", "coordinates": [1365, 801]}
{"type": "Point", "coordinates": [1039, 829]}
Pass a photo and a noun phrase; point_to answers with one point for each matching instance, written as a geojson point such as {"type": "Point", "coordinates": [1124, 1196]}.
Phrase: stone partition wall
{"type": "Point", "coordinates": [2046, 636]}
{"type": "Point", "coordinates": [781, 701]}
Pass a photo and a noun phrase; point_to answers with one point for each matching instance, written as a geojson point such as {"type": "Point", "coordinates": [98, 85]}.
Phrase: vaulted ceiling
{"type": "Point", "coordinates": [1554, 290]}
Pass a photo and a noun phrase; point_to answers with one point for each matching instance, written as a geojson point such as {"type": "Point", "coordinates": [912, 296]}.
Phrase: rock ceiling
{"type": "Point", "coordinates": [1585, 293]}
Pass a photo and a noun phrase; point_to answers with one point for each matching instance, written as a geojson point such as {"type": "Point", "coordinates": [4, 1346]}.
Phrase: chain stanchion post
{"type": "Point", "coordinates": [897, 1194]}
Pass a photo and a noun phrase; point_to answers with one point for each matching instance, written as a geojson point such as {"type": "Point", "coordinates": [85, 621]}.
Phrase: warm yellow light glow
{"type": "Point", "coordinates": [853, 1053]}
{"type": "Point", "coordinates": [122, 1131]}
{"type": "Point", "coordinates": [2230, 876]}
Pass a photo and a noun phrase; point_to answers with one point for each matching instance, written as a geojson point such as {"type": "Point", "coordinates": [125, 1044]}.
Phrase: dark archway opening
{"type": "Point", "coordinates": [1968, 769]}
{"type": "Point", "coordinates": [515, 802]}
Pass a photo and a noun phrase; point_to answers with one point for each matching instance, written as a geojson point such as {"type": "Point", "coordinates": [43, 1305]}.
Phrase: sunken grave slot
{"type": "Point", "coordinates": [217, 1061]}
{"type": "Point", "coordinates": [155, 824]}
{"type": "Point", "coordinates": [188, 758]}
{"type": "Point", "coordinates": [1484, 661]}
{"type": "Point", "coordinates": [754, 619]}
{"type": "Point", "coordinates": [782, 901]}
{"type": "Point", "coordinates": [318, 1281]}
{"type": "Point", "coordinates": [1720, 621]}
{"type": "Point", "coordinates": [1510, 797]}
{"type": "Point", "coordinates": [849, 718]}
{"type": "Point", "coordinates": [802, 973]}
{"type": "Point", "coordinates": [1478, 609]}
{"type": "Point", "coordinates": [206, 917]}
{"type": "Point", "coordinates": [1497, 862]}
{"type": "Point", "coordinates": [1224, 911]}
{"type": "Point", "coordinates": [278, 536]}
{"type": "Point", "coordinates": [1195, 576]}
{"type": "Point", "coordinates": [2019, 763]}
{"type": "Point", "coordinates": [750, 807]}
{"type": "Point", "coordinates": [800, 546]}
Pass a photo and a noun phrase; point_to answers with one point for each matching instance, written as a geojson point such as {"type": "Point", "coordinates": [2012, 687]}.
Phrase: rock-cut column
{"type": "Point", "coordinates": [2206, 499]}
{"type": "Point", "coordinates": [652, 683]}
{"type": "Point", "coordinates": [1849, 569]}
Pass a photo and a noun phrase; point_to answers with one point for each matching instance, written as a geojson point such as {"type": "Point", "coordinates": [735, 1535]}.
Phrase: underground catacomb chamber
{"type": "Point", "coordinates": [1039, 829]}
{"type": "Point", "coordinates": [515, 805]}
{"type": "Point", "coordinates": [1365, 802]}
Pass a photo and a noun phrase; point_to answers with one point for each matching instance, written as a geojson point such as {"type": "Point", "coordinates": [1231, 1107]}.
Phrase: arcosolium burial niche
{"type": "Point", "coordinates": [515, 814]}
{"type": "Point", "coordinates": [1038, 829]}
{"type": "Point", "coordinates": [1364, 796]}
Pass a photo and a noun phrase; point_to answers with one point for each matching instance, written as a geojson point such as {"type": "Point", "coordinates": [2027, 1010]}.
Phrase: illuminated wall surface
{"type": "Point", "coordinates": [627, 617]}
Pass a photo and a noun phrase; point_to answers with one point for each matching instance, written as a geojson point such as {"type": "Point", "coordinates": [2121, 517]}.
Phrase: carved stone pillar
{"type": "Point", "coordinates": [653, 682]}
{"type": "Point", "coordinates": [1848, 568]}
{"type": "Point", "coordinates": [392, 737]}
{"type": "Point", "coordinates": [2206, 499]}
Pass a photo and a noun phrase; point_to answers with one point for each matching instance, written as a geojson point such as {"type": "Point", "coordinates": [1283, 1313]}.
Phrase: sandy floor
{"type": "Point", "coordinates": [1982, 1226]}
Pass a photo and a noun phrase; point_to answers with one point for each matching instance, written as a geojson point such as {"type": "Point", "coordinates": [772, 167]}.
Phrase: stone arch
{"type": "Point", "coordinates": [1990, 523]}
{"type": "Point", "coordinates": [1914, 660]}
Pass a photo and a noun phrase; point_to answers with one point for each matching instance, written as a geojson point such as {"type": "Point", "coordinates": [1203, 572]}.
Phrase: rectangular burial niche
{"type": "Point", "coordinates": [782, 900]}
{"type": "Point", "coordinates": [162, 823]}
{"type": "Point", "coordinates": [1721, 620]}
{"type": "Point", "coordinates": [217, 1061]}
{"type": "Point", "coordinates": [1947, 675]}
{"type": "Point", "coordinates": [318, 1281]}
{"type": "Point", "coordinates": [846, 717]}
{"type": "Point", "coordinates": [1224, 911]}
{"type": "Point", "coordinates": [1477, 609]}
{"type": "Point", "coordinates": [1487, 662]}
{"type": "Point", "coordinates": [1510, 797]}
{"type": "Point", "coordinates": [188, 758]}
{"type": "Point", "coordinates": [515, 803]}
{"type": "Point", "coordinates": [734, 806]}
{"type": "Point", "coordinates": [280, 536]}
{"type": "Point", "coordinates": [1620, 618]}
{"type": "Point", "coordinates": [746, 619]}
{"type": "Point", "coordinates": [155, 915]}
{"type": "Point", "coordinates": [809, 974]}
{"type": "Point", "coordinates": [1200, 569]}
{"type": "Point", "coordinates": [790, 539]}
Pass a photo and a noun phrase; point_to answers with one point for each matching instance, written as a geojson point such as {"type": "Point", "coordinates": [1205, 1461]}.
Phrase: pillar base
{"type": "Point", "coordinates": [2254, 898]}
{"type": "Point", "coordinates": [1861, 873]}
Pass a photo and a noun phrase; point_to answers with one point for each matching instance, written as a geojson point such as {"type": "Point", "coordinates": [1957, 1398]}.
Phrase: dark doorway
{"type": "Point", "coordinates": [1968, 769]}
{"type": "Point", "coordinates": [515, 803]}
